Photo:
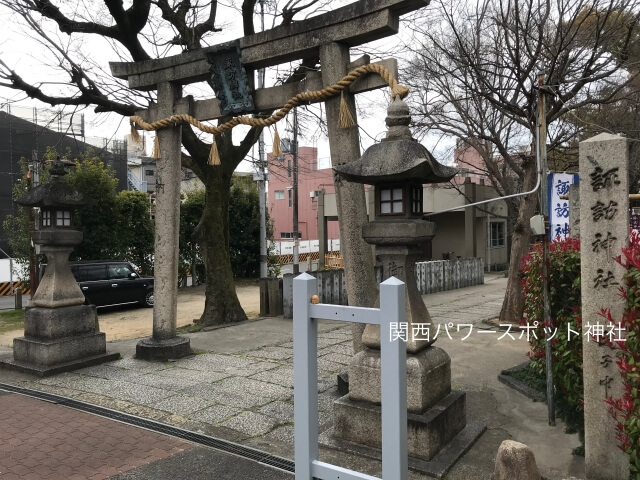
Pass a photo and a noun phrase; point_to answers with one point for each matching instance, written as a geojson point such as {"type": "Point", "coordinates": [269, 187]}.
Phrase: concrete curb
{"type": "Point", "coordinates": [520, 387]}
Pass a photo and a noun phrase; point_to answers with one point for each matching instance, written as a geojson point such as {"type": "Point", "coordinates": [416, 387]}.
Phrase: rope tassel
{"type": "Point", "coordinates": [156, 148]}
{"type": "Point", "coordinates": [135, 136]}
{"type": "Point", "coordinates": [277, 149]}
{"type": "Point", "coordinates": [214, 156]}
{"type": "Point", "coordinates": [345, 120]}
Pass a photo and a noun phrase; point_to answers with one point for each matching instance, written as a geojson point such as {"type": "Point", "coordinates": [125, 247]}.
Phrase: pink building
{"type": "Point", "coordinates": [470, 163]}
{"type": "Point", "coordinates": [311, 182]}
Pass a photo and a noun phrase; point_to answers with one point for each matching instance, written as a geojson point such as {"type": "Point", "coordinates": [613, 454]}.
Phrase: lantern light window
{"type": "Point", "coordinates": [391, 201]}
{"type": "Point", "coordinates": [416, 199]}
{"type": "Point", "coordinates": [63, 218]}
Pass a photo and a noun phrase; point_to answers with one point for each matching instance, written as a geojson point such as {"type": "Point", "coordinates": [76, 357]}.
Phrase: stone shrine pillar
{"type": "Point", "coordinates": [398, 167]}
{"type": "Point", "coordinates": [604, 230]}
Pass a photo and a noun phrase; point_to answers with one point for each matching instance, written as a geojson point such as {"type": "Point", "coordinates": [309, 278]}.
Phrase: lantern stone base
{"type": "Point", "coordinates": [59, 340]}
{"type": "Point", "coordinates": [9, 363]}
{"type": "Point", "coordinates": [60, 350]}
{"type": "Point", "coordinates": [435, 414]}
{"type": "Point", "coordinates": [163, 350]}
{"type": "Point", "coordinates": [437, 467]}
{"type": "Point", "coordinates": [428, 433]}
{"type": "Point", "coordinates": [54, 323]}
{"type": "Point", "coordinates": [428, 378]}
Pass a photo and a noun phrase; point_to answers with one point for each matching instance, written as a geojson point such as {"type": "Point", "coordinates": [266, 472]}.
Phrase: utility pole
{"type": "Point", "coordinates": [544, 207]}
{"type": "Point", "coordinates": [261, 176]}
{"type": "Point", "coordinates": [33, 258]}
{"type": "Point", "coordinates": [296, 240]}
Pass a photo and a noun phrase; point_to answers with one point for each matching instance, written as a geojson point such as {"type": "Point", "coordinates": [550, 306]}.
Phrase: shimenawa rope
{"type": "Point", "coordinates": [345, 120]}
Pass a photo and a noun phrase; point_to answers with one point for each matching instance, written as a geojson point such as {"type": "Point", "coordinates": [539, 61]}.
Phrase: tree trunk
{"type": "Point", "coordinates": [221, 303]}
{"type": "Point", "coordinates": [513, 304]}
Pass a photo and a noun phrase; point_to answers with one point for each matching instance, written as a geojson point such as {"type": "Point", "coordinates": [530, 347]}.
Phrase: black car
{"type": "Point", "coordinates": [109, 283]}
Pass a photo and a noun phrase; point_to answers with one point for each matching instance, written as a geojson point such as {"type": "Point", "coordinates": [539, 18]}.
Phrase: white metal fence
{"type": "Point", "coordinates": [305, 379]}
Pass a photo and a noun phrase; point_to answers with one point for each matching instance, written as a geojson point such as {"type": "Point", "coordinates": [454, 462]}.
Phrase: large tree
{"type": "Point", "coordinates": [114, 226]}
{"type": "Point", "coordinates": [146, 29]}
{"type": "Point", "coordinates": [244, 227]}
{"type": "Point", "coordinates": [475, 66]}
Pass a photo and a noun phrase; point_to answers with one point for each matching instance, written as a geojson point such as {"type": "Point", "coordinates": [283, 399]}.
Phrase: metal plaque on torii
{"type": "Point", "coordinates": [229, 81]}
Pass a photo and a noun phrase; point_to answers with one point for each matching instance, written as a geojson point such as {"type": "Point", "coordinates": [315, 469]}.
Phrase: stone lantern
{"type": "Point", "coordinates": [60, 332]}
{"type": "Point", "coordinates": [398, 167]}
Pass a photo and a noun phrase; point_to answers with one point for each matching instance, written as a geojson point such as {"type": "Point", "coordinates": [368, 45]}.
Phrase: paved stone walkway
{"type": "Point", "coordinates": [250, 393]}
{"type": "Point", "coordinates": [239, 386]}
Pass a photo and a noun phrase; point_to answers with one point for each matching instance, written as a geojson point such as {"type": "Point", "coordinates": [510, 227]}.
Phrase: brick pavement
{"type": "Point", "coordinates": [41, 440]}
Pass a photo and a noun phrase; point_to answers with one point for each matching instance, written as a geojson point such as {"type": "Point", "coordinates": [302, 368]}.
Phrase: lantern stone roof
{"type": "Point", "coordinates": [398, 158]}
{"type": "Point", "coordinates": [55, 193]}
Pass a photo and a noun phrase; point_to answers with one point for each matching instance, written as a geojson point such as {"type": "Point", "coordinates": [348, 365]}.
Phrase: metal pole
{"type": "Point", "coordinates": [488, 242]}
{"type": "Point", "coordinates": [544, 207]}
{"type": "Point", "coordinates": [32, 181]}
{"type": "Point", "coordinates": [296, 240]}
{"type": "Point", "coordinates": [261, 178]}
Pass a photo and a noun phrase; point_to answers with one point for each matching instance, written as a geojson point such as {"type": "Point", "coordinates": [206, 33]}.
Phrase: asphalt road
{"type": "Point", "coordinates": [8, 302]}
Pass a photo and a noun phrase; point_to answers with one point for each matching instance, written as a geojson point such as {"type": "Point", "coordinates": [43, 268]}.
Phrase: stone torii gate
{"type": "Point", "coordinates": [328, 37]}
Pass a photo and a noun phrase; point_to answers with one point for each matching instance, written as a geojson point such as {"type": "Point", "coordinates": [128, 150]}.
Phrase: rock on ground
{"type": "Point", "coordinates": [515, 461]}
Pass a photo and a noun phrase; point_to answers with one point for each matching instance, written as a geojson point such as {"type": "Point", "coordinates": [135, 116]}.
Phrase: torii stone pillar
{"type": "Point", "coordinates": [164, 344]}
{"type": "Point", "coordinates": [352, 209]}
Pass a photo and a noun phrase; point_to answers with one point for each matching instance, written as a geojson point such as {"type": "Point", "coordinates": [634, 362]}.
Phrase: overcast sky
{"type": "Point", "coordinates": [26, 56]}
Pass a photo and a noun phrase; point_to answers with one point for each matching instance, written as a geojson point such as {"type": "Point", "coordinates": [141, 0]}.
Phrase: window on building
{"type": "Point", "coordinates": [149, 173]}
{"type": "Point", "coordinates": [290, 198]}
{"type": "Point", "coordinates": [497, 234]}
{"type": "Point", "coordinates": [391, 201]}
{"type": "Point", "coordinates": [289, 168]}
{"type": "Point", "coordinates": [290, 235]}
{"type": "Point", "coordinates": [279, 194]}
{"type": "Point", "coordinates": [63, 218]}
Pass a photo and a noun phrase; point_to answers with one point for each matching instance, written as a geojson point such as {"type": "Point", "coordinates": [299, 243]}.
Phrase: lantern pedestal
{"type": "Point", "coordinates": [435, 414]}
{"type": "Point", "coordinates": [60, 333]}
{"type": "Point", "coordinates": [57, 287]}
{"type": "Point", "coordinates": [59, 340]}
{"type": "Point", "coordinates": [437, 424]}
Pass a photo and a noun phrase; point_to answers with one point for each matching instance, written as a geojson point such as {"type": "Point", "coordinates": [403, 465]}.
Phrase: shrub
{"type": "Point", "coordinates": [565, 326]}
{"type": "Point", "coordinates": [626, 410]}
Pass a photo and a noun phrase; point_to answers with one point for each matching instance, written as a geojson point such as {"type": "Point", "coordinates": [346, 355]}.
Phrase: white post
{"type": "Point", "coordinates": [305, 379]}
{"type": "Point", "coordinates": [393, 357]}
{"type": "Point", "coordinates": [305, 376]}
